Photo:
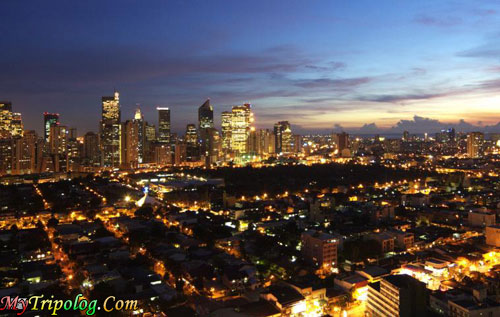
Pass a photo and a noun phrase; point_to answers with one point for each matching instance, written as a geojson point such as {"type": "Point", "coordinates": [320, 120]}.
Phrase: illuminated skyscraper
{"type": "Point", "coordinates": [49, 119]}
{"type": "Point", "coordinates": [58, 139]}
{"type": "Point", "coordinates": [226, 130]}
{"type": "Point", "coordinates": [192, 146]}
{"type": "Point", "coordinates": [474, 143]}
{"type": "Point", "coordinates": [130, 144]}
{"type": "Point", "coordinates": [206, 115]}
{"type": "Point", "coordinates": [17, 127]}
{"type": "Point", "coordinates": [241, 121]}
{"type": "Point", "coordinates": [5, 119]}
{"type": "Point", "coordinates": [163, 125]}
{"type": "Point", "coordinates": [58, 147]}
{"type": "Point", "coordinates": [141, 131]}
{"type": "Point", "coordinates": [283, 135]}
{"type": "Point", "coordinates": [111, 131]}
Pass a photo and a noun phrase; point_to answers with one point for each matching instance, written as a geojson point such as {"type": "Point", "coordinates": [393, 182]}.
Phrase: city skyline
{"type": "Point", "coordinates": [327, 67]}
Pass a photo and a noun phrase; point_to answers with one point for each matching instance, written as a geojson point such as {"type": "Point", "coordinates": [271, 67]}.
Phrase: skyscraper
{"type": "Point", "coordinates": [342, 141]}
{"type": "Point", "coordinates": [206, 115]}
{"type": "Point", "coordinates": [91, 149]}
{"type": "Point", "coordinates": [192, 148]}
{"type": "Point", "coordinates": [226, 130]}
{"type": "Point", "coordinates": [111, 130]}
{"type": "Point", "coordinates": [163, 125]}
{"type": "Point", "coordinates": [474, 143]}
{"type": "Point", "coordinates": [130, 144]}
{"type": "Point", "coordinates": [49, 119]}
{"type": "Point", "coordinates": [283, 135]}
{"type": "Point", "coordinates": [241, 121]}
{"type": "Point", "coordinates": [141, 134]}
{"type": "Point", "coordinates": [5, 119]}
{"type": "Point", "coordinates": [58, 147]}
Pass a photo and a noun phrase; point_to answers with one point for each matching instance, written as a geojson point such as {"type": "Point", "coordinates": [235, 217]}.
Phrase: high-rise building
{"type": "Point", "coordinates": [342, 141]}
{"type": "Point", "coordinates": [241, 121]}
{"type": "Point", "coordinates": [91, 149]}
{"type": "Point", "coordinates": [267, 142]}
{"type": "Point", "coordinates": [5, 119]}
{"type": "Point", "coordinates": [141, 130]}
{"type": "Point", "coordinates": [211, 146]}
{"type": "Point", "coordinates": [397, 296]}
{"type": "Point", "coordinates": [283, 137]}
{"type": "Point", "coordinates": [192, 146]}
{"type": "Point", "coordinates": [25, 153]}
{"type": "Point", "coordinates": [6, 155]}
{"type": "Point", "coordinates": [163, 125]}
{"type": "Point", "coordinates": [149, 143]}
{"type": "Point", "coordinates": [319, 248]}
{"type": "Point", "coordinates": [130, 144]}
{"type": "Point", "coordinates": [58, 139]}
{"type": "Point", "coordinates": [111, 131]}
{"type": "Point", "coordinates": [49, 119]}
{"type": "Point", "coordinates": [226, 130]}
{"type": "Point", "coordinates": [17, 127]}
{"type": "Point", "coordinates": [206, 115]}
{"type": "Point", "coordinates": [474, 144]}
{"type": "Point", "coordinates": [58, 147]}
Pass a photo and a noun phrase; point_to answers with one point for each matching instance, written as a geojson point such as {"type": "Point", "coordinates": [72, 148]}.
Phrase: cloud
{"type": "Point", "coordinates": [401, 98]}
{"type": "Point", "coordinates": [334, 84]}
{"type": "Point", "coordinates": [419, 124]}
{"type": "Point", "coordinates": [445, 21]}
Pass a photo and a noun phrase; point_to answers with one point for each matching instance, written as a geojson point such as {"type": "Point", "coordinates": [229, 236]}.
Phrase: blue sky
{"type": "Point", "coordinates": [319, 64]}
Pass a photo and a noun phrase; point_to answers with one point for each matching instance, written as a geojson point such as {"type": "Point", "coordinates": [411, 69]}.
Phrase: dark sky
{"type": "Point", "coordinates": [318, 64]}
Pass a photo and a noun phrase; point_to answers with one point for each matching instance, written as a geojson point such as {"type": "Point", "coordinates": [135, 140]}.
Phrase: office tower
{"type": "Point", "coordinates": [130, 144]}
{"type": "Point", "coordinates": [150, 132]}
{"type": "Point", "coordinates": [283, 135]}
{"type": "Point", "coordinates": [162, 154]}
{"type": "Point", "coordinates": [111, 130]}
{"type": "Point", "coordinates": [297, 143]}
{"type": "Point", "coordinates": [474, 144]}
{"type": "Point", "coordinates": [163, 125]}
{"type": "Point", "coordinates": [149, 143]}
{"type": "Point", "coordinates": [342, 141]}
{"type": "Point", "coordinates": [193, 149]}
{"type": "Point", "coordinates": [74, 153]}
{"type": "Point", "coordinates": [5, 119]}
{"type": "Point", "coordinates": [58, 139]}
{"type": "Point", "coordinates": [267, 142]}
{"type": "Point", "coordinates": [206, 115]}
{"type": "Point", "coordinates": [397, 295]}
{"type": "Point", "coordinates": [6, 155]}
{"type": "Point", "coordinates": [180, 154]}
{"type": "Point", "coordinates": [213, 146]}
{"type": "Point", "coordinates": [17, 128]}
{"type": "Point", "coordinates": [25, 154]}
{"type": "Point", "coordinates": [241, 121]}
{"type": "Point", "coordinates": [287, 140]}
{"type": "Point", "coordinates": [320, 249]}
{"type": "Point", "coordinates": [253, 141]}
{"type": "Point", "coordinates": [49, 119]}
{"type": "Point", "coordinates": [91, 149]}
{"type": "Point", "coordinates": [226, 130]}
{"type": "Point", "coordinates": [58, 146]}
{"type": "Point", "coordinates": [141, 130]}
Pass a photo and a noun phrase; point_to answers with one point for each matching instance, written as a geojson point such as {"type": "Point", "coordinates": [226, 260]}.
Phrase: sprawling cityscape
{"type": "Point", "coordinates": [230, 218]}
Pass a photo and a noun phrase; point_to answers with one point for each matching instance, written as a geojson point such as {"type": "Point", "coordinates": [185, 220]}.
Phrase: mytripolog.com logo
{"type": "Point", "coordinates": [20, 305]}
